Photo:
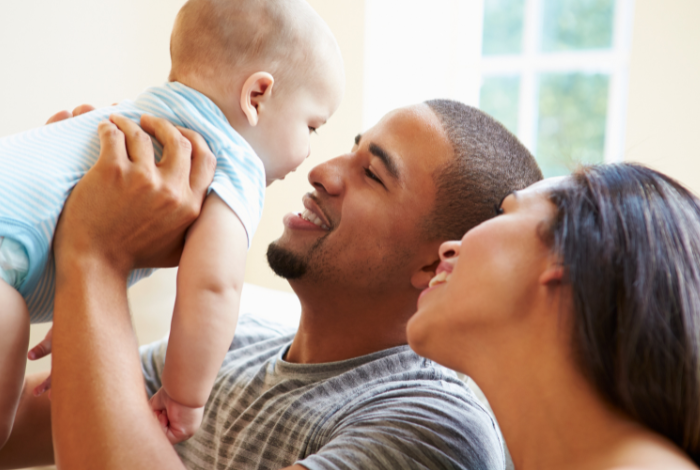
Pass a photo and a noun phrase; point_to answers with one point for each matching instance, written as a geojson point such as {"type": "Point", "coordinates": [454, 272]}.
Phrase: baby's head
{"type": "Point", "coordinates": [272, 66]}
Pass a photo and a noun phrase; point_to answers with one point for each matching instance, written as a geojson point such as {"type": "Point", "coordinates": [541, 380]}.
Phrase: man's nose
{"type": "Point", "coordinates": [328, 176]}
{"type": "Point", "coordinates": [449, 249]}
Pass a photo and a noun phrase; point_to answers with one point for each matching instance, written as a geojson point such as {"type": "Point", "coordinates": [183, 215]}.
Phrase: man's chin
{"type": "Point", "coordinates": [285, 263]}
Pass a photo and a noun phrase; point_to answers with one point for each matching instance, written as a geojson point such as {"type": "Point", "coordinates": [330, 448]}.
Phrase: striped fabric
{"type": "Point", "coordinates": [39, 168]}
{"type": "Point", "coordinates": [388, 410]}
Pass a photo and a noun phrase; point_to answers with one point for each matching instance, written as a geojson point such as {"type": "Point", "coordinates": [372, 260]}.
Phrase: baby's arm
{"type": "Point", "coordinates": [209, 284]}
{"type": "Point", "coordinates": [14, 325]}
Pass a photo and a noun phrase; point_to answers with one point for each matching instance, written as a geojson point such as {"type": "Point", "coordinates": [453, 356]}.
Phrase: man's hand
{"type": "Point", "coordinates": [178, 422]}
{"type": "Point", "coordinates": [43, 349]}
{"type": "Point", "coordinates": [61, 115]}
{"type": "Point", "coordinates": [142, 218]}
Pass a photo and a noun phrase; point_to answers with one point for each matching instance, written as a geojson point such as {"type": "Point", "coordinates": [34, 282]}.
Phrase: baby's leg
{"type": "Point", "coordinates": [14, 325]}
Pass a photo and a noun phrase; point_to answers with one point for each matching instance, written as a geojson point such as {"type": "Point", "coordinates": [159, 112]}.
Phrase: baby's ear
{"type": "Point", "coordinates": [256, 91]}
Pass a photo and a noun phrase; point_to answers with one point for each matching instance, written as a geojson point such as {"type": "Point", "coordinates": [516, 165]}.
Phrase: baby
{"type": "Point", "coordinates": [254, 78]}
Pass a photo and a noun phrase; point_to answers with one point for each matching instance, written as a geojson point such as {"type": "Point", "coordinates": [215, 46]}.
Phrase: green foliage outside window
{"type": "Point", "coordinates": [572, 121]}
{"type": "Point", "coordinates": [503, 26]}
{"type": "Point", "coordinates": [576, 24]}
{"type": "Point", "coordinates": [499, 97]}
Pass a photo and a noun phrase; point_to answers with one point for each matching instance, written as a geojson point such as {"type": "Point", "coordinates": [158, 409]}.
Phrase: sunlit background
{"type": "Point", "coordinates": [555, 73]}
{"type": "Point", "coordinates": [578, 81]}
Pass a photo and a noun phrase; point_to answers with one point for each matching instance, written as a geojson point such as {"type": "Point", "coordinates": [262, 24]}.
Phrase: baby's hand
{"type": "Point", "coordinates": [179, 422]}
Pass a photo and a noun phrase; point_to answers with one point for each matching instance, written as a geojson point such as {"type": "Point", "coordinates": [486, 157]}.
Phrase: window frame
{"type": "Point", "coordinates": [532, 62]}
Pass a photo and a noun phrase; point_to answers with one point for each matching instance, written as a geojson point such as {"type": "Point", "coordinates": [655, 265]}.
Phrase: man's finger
{"type": "Point", "coordinates": [176, 148]}
{"type": "Point", "coordinates": [59, 116]}
{"type": "Point", "coordinates": [138, 144]}
{"type": "Point", "coordinates": [113, 149]}
{"type": "Point", "coordinates": [203, 162]}
{"type": "Point", "coordinates": [82, 109]}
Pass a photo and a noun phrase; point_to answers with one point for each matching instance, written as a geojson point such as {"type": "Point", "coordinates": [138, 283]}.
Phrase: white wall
{"type": "Point", "coordinates": [417, 50]}
{"type": "Point", "coordinates": [57, 54]}
{"type": "Point", "coordinates": [663, 114]}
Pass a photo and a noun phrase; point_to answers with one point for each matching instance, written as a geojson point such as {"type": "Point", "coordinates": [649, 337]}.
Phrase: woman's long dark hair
{"type": "Point", "coordinates": [629, 239]}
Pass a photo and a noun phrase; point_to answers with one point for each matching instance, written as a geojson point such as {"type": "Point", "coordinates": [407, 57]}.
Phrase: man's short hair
{"type": "Point", "coordinates": [489, 163]}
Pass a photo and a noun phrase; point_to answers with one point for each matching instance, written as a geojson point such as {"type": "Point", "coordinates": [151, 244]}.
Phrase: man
{"type": "Point", "coordinates": [344, 391]}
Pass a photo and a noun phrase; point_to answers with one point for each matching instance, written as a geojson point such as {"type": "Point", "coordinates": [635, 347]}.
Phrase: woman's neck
{"type": "Point", "coordinates": [550, 415]}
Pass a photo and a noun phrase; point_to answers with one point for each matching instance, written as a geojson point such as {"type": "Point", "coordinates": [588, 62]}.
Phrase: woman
{"type": "Point", "coordinates": [577, 311]}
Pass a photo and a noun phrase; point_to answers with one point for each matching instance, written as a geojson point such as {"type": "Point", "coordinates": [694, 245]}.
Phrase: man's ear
{"type": "Point", "coordinates": [256, 91]}
{"type": "Point", "coordinates": [422, 277]}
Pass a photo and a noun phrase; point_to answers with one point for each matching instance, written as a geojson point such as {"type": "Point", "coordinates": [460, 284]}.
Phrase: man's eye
{"type": "Point", "coordinates": [372, 176]}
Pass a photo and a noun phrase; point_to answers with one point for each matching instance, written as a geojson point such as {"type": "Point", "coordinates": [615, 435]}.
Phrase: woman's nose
{"type": "Point", "coordinates": [449, 249]}
{"type": "Point", "coordinates": [328, 177]}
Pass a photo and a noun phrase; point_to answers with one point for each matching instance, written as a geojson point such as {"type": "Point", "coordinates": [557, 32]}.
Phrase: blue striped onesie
{"type": "Point", "coordinates": [39, 168]}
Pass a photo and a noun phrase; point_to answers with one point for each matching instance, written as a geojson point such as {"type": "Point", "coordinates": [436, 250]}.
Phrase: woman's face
{"type": "Point", "coordinates": [487, 282]}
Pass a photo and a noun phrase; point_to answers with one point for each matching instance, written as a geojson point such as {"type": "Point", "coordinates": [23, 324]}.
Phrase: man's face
{"type": "Point", "coordinates": [363, 223]}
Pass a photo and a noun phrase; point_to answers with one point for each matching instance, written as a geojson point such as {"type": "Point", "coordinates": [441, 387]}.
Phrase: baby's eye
{"type": "Point", "coordinates": [312, 130]}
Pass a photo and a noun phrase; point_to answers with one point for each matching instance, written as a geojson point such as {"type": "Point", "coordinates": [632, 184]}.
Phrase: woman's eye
{"type": "Point", "coordinates": [372, 176]}
{"type": "Point", "coordinates": [498, 209]}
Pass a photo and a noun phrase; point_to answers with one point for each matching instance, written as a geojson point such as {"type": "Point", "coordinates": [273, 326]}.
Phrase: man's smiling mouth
{"type": "Point", "coordinates": [313, 218]}
{"type": "Point", "coordinates": [313, 213]}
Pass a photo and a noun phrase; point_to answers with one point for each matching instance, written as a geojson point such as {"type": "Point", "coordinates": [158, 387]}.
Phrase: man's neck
{"type": "Point", "coordinates": [336, 327]}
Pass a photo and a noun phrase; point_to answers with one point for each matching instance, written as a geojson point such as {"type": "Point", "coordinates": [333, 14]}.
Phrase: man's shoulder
{"type": "Point", "coordinates": [252, 330]}
{"type": "Point", "coordinates": [402, 376]}
{"type": "Point", "coordinates": [407, 409]}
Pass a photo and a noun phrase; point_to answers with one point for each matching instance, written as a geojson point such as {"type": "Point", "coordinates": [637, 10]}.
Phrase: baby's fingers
{"type": "Point", "coordinates": [43, 387]}
{"type": "Point", "coordinates": [42, 349]}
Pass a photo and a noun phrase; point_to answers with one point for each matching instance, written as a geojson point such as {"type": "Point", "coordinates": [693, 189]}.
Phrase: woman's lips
{"type": "Point", "coordinates": [440, 278]}
{"type": "Point", "coordinates": [425, 291]}
{"type": "Point", "coordinates": [446, 266]}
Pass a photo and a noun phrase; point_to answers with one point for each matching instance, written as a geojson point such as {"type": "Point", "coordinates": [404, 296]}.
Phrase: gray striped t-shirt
{"type": "Point", "coordinates": [388, 410]}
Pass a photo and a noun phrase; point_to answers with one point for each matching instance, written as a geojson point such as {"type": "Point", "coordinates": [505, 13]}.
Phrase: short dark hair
{"type": "Point", "coordinates": [629, 240]}
{"type": "Point", "coordinates": [489, 162]}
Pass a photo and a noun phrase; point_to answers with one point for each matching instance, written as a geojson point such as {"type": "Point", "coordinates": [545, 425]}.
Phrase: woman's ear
{"type": "Point", "coordinates": [553, 274]}
{"type": "Point", "coordinates": [422, 277]}
{"type": "Point", "coordinates": [256, 91]}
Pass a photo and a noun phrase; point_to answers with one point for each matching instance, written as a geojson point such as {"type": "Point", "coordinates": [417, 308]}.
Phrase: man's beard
{"type": "Point", "coordinates": [285, 263]}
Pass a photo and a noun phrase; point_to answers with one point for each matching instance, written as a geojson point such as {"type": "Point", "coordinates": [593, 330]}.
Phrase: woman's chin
{"type": "Point", "coordinates": [423, 323]}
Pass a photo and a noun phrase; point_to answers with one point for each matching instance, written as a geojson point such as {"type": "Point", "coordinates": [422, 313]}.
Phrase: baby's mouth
{"type": "Point", "coordinates": [313, 218]}
{"type": "Point", "coordinates": [441, 278]}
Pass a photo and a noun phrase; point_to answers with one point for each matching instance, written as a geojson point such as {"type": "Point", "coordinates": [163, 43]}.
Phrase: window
{"type": "Point", "coordinates": [555, 73]}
